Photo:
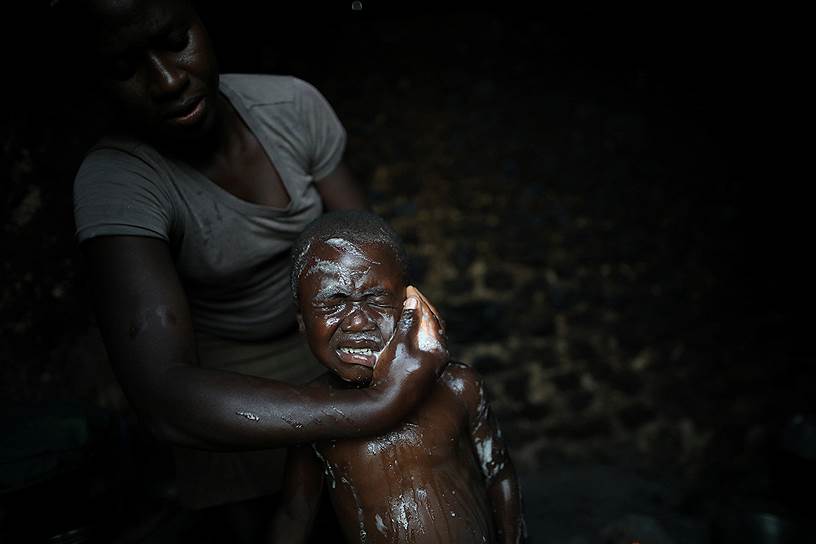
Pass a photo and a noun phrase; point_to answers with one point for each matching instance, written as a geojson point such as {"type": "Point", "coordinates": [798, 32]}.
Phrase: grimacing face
{"type": "Point", "coordinates": [157, 67]}
{"type": "Point", "coordinates": [350, 298]}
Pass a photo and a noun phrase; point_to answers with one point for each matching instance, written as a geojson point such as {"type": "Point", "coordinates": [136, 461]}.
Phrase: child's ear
{"type": "Point", "coordinates": [301, 326]}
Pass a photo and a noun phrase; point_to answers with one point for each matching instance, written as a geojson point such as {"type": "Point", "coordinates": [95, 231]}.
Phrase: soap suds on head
{"type": "Point", "coordinates": [344, 245]}
{"type": "Point", "coordinates": [338, 277]}
{"type": "Point", "coordinates": [327, 267]}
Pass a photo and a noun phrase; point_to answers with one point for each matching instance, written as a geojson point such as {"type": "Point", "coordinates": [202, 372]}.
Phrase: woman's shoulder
{"type": "Point", "coordinates": [121, 151]}
{"type": "Point", "coordinates": [120, 190]}
{"type": "Point", "coordinates": [261, 89]}
{"type": "Point", "coordinates": [118, 161]}
{"type": "Point", "coordinates": [285, 93]}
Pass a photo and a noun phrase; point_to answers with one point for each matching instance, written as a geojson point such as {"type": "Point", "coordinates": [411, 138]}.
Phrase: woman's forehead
{"type": "Point", "coordinates": [124, 10]}
{"type": "Point", "coordinates": [125, 23]}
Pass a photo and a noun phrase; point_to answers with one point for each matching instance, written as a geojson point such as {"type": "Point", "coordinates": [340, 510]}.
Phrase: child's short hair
{"type": "Point", "coordinates": [353, 226]}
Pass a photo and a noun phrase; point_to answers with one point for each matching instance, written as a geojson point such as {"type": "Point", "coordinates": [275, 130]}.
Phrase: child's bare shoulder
{"type": "Point", "coordinates": [459, 371]}
{"type": "Point", "coordinates": [465, 383]}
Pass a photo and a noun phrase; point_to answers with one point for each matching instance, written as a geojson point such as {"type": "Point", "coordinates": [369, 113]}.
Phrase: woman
{"type": "Point", "coordinates": [185, 213]}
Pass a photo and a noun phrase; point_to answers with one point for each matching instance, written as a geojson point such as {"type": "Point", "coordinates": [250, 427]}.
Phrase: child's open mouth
{"type": "Point", "coordinates": [357, 356]}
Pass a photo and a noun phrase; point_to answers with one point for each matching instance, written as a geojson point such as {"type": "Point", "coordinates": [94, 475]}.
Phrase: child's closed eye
{"type": "Point", "coordinates": [381, 301]}
{"type": "Point", "coordinates": [331, 302]}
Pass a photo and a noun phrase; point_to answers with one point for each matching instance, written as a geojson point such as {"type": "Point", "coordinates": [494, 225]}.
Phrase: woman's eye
{"type": "Point", "coordinates": [121, 69]}
{"type": "Point", "coordinates": [178, 39]}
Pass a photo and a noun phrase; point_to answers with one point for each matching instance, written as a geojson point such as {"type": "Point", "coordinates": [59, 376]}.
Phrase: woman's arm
{"type": "Point", "coordinates": [145, 322]}
{"type": "Point", "coordinates": [338, 190]}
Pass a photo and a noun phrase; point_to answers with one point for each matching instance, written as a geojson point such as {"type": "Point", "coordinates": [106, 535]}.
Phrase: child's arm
{"type": "Point", "coordinates": [300, 496]}
{"type": "Point", "coordinates": [502, 484]}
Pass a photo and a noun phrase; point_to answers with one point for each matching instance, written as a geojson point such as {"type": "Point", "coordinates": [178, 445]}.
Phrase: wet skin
{"type": "Point", "coordinates": [443, 474]}
{"type": "Point", "coordinates": [353, 301]}
{"type": "Point", "coordinates": [158, 67]}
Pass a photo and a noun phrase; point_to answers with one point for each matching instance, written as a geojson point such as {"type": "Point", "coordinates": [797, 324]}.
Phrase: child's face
{"type": "Point", "coordinates": [351, 298]}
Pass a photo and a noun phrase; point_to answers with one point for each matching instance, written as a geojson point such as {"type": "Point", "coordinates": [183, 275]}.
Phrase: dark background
{"type": "Point", "coordinates": [607, 204]}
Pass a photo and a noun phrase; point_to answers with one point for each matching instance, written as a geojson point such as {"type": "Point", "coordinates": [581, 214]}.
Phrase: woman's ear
{"type": "Point", "coordinates": [301, 325]}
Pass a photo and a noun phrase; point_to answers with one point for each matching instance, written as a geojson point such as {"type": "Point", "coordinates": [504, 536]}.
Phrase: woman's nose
{"type": "Point", "coordinates": [167, 79]}
{"type": "Point", "coordinates": [357, 320]}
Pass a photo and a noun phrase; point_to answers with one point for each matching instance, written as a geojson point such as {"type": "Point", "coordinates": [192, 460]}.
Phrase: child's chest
{"type": "Point", "coordinates": [435, 434]}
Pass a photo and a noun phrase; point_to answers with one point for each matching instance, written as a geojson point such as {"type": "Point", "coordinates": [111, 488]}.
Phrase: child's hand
{"type": "Point", "coordinates": [417, 346]}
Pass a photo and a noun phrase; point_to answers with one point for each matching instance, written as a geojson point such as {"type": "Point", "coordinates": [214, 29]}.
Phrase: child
{"type": "Point", "coordinates": [444, 474]}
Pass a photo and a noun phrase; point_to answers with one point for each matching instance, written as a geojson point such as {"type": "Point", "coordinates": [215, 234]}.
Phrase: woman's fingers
{"type": "Point", "coordinates": [429, 338]}
{"type": "Point", "coordinates": [410, 320]}
{"type": "Point", "coordinates": [416, 292]}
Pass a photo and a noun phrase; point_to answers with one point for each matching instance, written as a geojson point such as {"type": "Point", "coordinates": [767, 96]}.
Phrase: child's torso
{"type": "Point", "coordinates": [418, 483]}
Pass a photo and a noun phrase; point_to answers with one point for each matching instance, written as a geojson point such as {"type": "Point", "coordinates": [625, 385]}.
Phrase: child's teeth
{"type": "Point", "coordinates": [358, 351]}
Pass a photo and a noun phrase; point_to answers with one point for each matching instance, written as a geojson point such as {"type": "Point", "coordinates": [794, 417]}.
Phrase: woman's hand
{"type": "Point", "coordinates": [414, 356]}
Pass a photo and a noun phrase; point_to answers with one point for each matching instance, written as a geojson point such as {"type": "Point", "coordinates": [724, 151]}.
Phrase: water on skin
{"type": "Point", "coordinates": [293, 424]}
{"type": "Point", "coordinates": [327, 468]}
{"type": "Point", "coordinates": [443, 501]}
{"type": "Point", "coordinates": [359, 507]}
{"type": "Point", "coordinates": [439, 505]}
{"type": "Point", "coordinates": [248, 415]}
{"type": "Point", "coordinates": [163, 314]}
{"type": "Point", "coordinates": [411, 510]}
{"type": "Point", "coordinates": [380, 525]}
{"type": "Point", "coordinates": [491, 459]}
{"type": "Point", "coordinates": [338, 279]}
{"type": "Point", "coordinates": [418, 505]}
{"type": "Point", "coordinates": [342, 414]}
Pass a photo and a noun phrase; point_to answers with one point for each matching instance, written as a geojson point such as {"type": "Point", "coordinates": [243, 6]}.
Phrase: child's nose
{"type": "Point", "coordinates": [357, 320]}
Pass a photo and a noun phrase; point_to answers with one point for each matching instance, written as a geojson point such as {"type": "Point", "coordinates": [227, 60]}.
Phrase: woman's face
{"type": "Point", "coordinates": [158, 68]}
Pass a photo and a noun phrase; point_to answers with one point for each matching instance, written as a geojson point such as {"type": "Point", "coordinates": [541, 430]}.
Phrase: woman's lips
{"type": "Point", "coordinates": [188, 116]}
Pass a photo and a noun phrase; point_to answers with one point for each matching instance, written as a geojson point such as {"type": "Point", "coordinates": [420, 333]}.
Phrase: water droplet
{"type": "Point", "coordinates": [249, 415]}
